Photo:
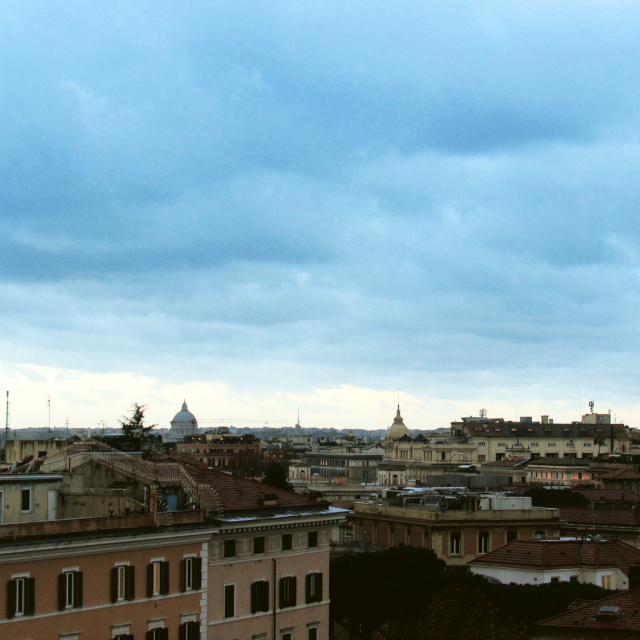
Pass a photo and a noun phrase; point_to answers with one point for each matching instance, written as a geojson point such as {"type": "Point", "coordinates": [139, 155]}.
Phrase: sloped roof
{"type": "Point", "coordinates": [237, 493]}
{"type": "Point", "coordinates": [587, 615]}
{"type": "Point", "coordinates": [561, 554]}
{"type": "Point", "coordinates": [619, 517]}
{"type": "Point", "coordinates": [620, 474]}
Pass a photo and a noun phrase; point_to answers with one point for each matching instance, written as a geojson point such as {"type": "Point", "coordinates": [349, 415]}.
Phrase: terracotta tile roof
{"type": "Point", "coordinates": [237, 493]}
{"type": "Point", "coordinates": [620, 474]}
{"type": "Point", "coordinates": [620, 517]}
{"type": "Point", "coordinates": [610, 495]}
{"type": "Point", "coordinates": [561, 554]}
{"type": "Point", "coordinates": [589, 616]}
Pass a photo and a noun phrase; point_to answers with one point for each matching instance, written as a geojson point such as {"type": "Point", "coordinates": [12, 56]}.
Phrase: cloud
{"type": "Point", "coordinates": [324, 196]}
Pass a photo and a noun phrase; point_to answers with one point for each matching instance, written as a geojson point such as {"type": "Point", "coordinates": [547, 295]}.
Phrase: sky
{"type": "Point", "coordinates": [266, 206]}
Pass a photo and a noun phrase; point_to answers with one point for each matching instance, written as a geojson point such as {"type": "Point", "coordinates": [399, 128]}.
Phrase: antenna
{"type": "Point", "coordinates": [49, 405]}
{"type": "Point", "coordinates": [591, 405]}
{"type": "Point", "coordinates": [483, 413]}
{"type": "Point", "coordinates": [6, 429]}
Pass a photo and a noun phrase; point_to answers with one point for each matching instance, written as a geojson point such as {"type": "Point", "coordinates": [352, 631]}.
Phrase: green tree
{"type": "Point", "coordinates": [276, 476]}
{"type": "Point", "coordinates": [134, 432]}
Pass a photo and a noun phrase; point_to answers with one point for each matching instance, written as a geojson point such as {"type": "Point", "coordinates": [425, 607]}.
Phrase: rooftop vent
{"type": "Point", "coordinates": [609, 612]}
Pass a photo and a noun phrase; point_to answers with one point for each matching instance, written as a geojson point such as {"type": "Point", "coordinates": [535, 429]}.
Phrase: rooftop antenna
{"type": "Point", "coordinates": [6, 429]}
{"type": "Point", "coordinates": [49, 405]}
{"type": "Point", "coordinates": [591, 405]}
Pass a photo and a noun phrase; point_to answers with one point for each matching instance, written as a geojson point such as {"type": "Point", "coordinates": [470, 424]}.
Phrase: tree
{"type": "Point", "coordinates": [276, 476]}
{"type": "Point", "coordinates": [600, 441]}
{"type": "Point", "coordinates": [134, 431]}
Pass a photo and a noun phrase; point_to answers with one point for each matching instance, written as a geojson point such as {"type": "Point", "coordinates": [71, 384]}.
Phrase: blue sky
{"type": "Point", "coordinates": [270, 205]}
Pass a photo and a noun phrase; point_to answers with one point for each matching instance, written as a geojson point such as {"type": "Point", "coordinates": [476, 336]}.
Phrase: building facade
{"type": "Point", "coordinates": [458, 528]}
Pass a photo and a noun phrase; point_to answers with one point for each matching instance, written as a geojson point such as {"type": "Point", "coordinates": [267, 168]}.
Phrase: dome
{"type": "Point", "coordinates": [184, 423]}
{"type": "Point", "coordinates": [398, 428]}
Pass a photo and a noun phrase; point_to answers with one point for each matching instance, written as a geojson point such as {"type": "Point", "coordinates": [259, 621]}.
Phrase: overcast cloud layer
{"type": "Point", "coordinates": [281, 197]}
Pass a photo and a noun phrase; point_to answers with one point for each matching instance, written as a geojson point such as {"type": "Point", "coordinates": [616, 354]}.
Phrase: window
{"type": "Point", "coordinates": [259, 596]}
{"type": "Point", "coordinates": [157, 634]}
{"type": "Point", "coordinates": [21, 597]}
{"type": "Point", "coordinates": [258, 545]}
{"type": "Point", "coordinates": [502, 444]}
{"type": "Point", "coordinates": [483, 542]}
{"type": "Point", "coordinates": [69, 590]}
{"type": "Point", "coordinates": [229, 548]}
{"type": "Point", "coordinates": [286, 635]}
{"type": "Point", "coordinates": [573, 578]}
{"type": "Point", "coordinates": [157, 578]}
{"type": "Point", "coordinates": [481, 458]}
{"type": "Point", "coordinates": [539, 535]}
{"type": "Point", "coordinates": [189, 631]}
{"type": "Point", "coordinates": [287, 541]}
{"type": "Point", "coordinates": [551, 444]}
{"type": "Point", "coordinates": [287, 592]}
{"type": "Point", "coordinates": [605, 582]}
{"type": "Point", "coordinates": [313, 538]}
{"type": "Point", "coordinates": [26, 500]}
{"type": "Point", "coordinates": [454, 543]}
{"type": "Point", "coordinates": [314, 587]}
{"type": "Point", "coordinates": [555, 579]}
{"type": "Point", "coordinates": [123, 583]}
{"type": "Point", "coordinates": [482, 444]}
{"type": "Point", "coordinates": [426, 539]}
{"type": "Point", "coordinates": [121, 632]}
{"type": "Point", "coordinates": [408, 537]}
{"type": "Point", "coordinates": [511, 536]}
{"type": "Point", "coordinates": [191, 574]}
{"type": "Point", "coordinates": [443, 455]}
{"type": "Point", "coordinates": [312, 633]}
{"type": "Point", "coordinates": [534, 444]}
{"type": "Point", "coordinates": [229, 600]}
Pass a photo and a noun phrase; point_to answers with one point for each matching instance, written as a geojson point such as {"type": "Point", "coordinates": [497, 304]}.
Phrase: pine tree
{"type": "Point", "coordinates": [134, 431]}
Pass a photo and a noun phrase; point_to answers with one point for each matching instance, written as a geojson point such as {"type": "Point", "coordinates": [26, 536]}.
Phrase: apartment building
{"type": "Point", "coordinates": [458, 527]}
{"type": "Point", "coordinates": [482, 440]}
{"type": "Point", "coordinates": [258, 572]}
{"type": "Point", "coordinates": [221, 451]}
{"type": "Point", "coordinates": [241, 560]}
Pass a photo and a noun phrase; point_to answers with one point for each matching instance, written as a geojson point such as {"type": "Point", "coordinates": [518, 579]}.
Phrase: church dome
{"type": "Point", "coordinates": [398, 428]}
{"type": "Point", "coordinates": [184, 423]}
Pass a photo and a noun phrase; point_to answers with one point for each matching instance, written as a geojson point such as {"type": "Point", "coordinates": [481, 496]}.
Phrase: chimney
{"type": "Point", "coordinates": [544, 419]}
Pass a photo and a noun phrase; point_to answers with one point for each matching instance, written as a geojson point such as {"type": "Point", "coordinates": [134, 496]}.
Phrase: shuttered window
{"type": "Point", "coordinates": [313, 587]}
{"type": "Point", "coordinates": [190, 574]}
{"type": "Point", "coordinates": [287, 595]}
{"type": "Point", "coordinates": [21, 597]}
{"type": "Point", "coordinates": [229, 600]}
{"type": "Point", "coordinates": [189, 631]}
{"type": "Point", "coordinates": [123, 583]}
{"type": "Point", "coordinates": [259, 596]}
{"type": "Point", "coordinates": [69, 590]}
{"type": "Point", "coordinates": [157, 578]}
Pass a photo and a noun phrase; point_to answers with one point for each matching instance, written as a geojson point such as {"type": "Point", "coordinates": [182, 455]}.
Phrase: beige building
{"type": "Point", "coordinates": [458, 528]}
{"type": "Point", "coordinates": [18, 449]}
{"type": "Point", "coordinates": [29, 497]}
{"type": "Point", "coordinates": [478, 440]}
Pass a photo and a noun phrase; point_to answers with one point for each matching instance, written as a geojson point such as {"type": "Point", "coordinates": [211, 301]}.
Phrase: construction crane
{"type": "Point", "coordinates": [237, 420]}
